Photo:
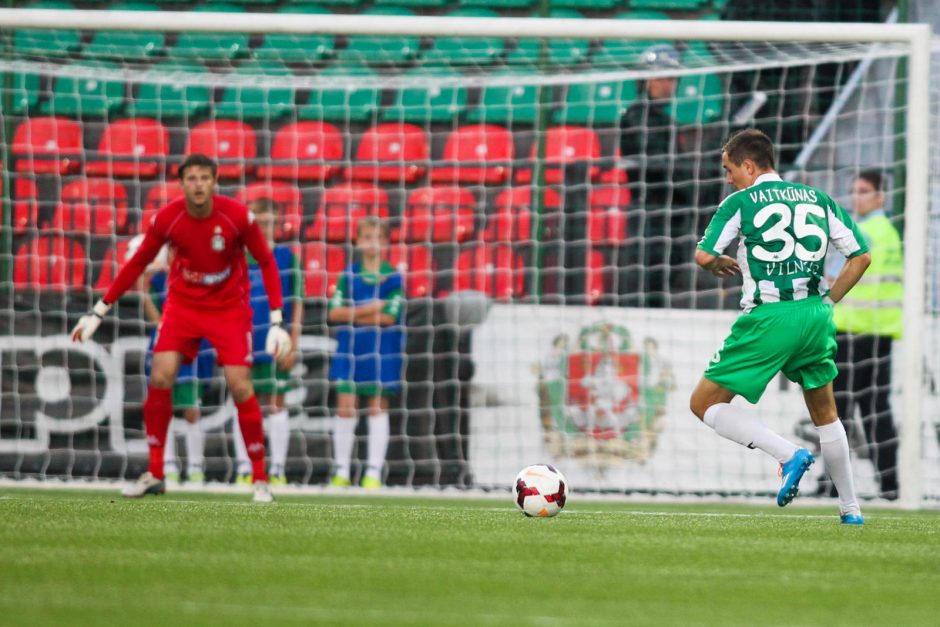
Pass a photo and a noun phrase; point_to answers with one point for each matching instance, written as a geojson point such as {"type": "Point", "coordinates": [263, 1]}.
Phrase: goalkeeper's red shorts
{"type": "Point", "coordinates": [227, 330]}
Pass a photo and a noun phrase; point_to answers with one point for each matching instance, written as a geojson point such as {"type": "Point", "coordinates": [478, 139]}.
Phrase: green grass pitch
{"type": "Point", "coordinates": [92, 558]}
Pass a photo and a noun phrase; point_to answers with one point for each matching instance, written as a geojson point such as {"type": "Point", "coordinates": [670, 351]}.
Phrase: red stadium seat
{"type": "Point", "coordinates": [131, 148]}
{"type": "Point", "coordinates": [439, 214]}
{"type": "Point", "coordinates": [478, 153]}
{"type": "Point", "coordinates": [114, 258]}
{"type": "Point", "coordinates": [493, 269]}
{"type": "Point", "coordinates": [564, 146]}
{"type": "Point", "coordinates": [95, 206]}
{"type": "Point", "coordinates": [595, 277]}
{"type": "Point", "coordinates": [230, 142]}
{"type": "Point", "coordinates": [607, 215]}
{"type": "Point", "coordinates": [341, 207]}
{"type": "Point", "coordinates": [391, 153]}
{"type": "Point", "coordinates": [414, 264]}
{"type": "Point", "coordinates": [305, 151]}
{"type": "Point", "coordinates": [323, 265]}
{"type": "Point", "coordinates": [25, 205]}
{"type": "Point", "coordinates": [512, 220]}
{"type": "Point", "coordinates": [159, 195]}
{"type": "Point", "coordinates": [48, 145]}
{"type": "Point", "coordinates": [49, 262]}
{"type": "Point", "coordinates": [616, 174]}
{"type": "Point", "coordinates": [287, 201]}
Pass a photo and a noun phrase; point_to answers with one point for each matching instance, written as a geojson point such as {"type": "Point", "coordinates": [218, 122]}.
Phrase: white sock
{"type": "Point", "coordinates": [241, 453]}
{"type": "Point", "coordinates": [378, 444]}
{"type": "Point", "coordinates": [835, 452]}
{"type": "Point", "coordinates": [344, 436]}
{"type": "Point", "coordinates": [743, 427]}
{"type": "Point", "coordinates": [279, 435]}
{"type": "Point", "coordinates": [169, 451]}
{"type": "Point", "coordinates": [195, 447]}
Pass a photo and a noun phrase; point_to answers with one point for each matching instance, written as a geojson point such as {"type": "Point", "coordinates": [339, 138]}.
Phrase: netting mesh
{"type": "Point", "coordinates": [544, 205]}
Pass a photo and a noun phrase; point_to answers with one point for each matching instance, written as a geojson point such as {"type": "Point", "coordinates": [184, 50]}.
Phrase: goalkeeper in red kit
{"type": "Point", "coordinates": [208, 296]}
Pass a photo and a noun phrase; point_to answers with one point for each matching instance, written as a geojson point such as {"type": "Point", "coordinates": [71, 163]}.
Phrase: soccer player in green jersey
{"type": "Point", "coordinates": [783, 232]}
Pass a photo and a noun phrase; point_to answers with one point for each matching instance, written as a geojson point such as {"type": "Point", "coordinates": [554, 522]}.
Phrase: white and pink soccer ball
{"type": "Point", "coordinates": [540, 490]}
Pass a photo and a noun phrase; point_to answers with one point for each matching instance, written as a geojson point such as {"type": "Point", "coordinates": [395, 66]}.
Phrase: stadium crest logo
{"type": "Point", "coordinates": [602, 402]}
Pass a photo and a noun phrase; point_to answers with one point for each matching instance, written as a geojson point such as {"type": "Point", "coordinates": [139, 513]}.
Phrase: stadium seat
{"type": "Point", "coordinates": [86, 96]}
{"type": "Point", "coordinates": [340, 209]}
{"type": "Point", "coordinates": [211, 46]}
{"type": "Point", "coordinates": [159, 195]}
{"type": "Point", "coordinates": [131, 148]}
{"type": "Point", "coordinates": [25, 205]}
{"type": "Point", "coordinates": [380, 50]}
{"type": "Point", "coordinates": [323, 264]}
{"type": "Point", "coordinates": [616, 173]}
{"type": "Point", "coordinates": [475, 51]}
{"type": "Point", "coordinates": [699, 99]}
{"type": "Point", "coordinates": [414, 264]}
{"type": "Point", "coordinates": [428, 103]}
{"type": "Point", "coordinates": [28, 41]}
{"type": "Point", "coordinates": [287, 201]}
{"type": "Point", "coordinates": [172, 100]}
{"type": "Point", "coordinates": [439, 215]}
{"type": "Point", "coordinates": [26, 89]}
{"type": "Point", "coordinates": [50, 262]}
{"type": "Point", "coordinates": [607, 214]}
{"type": "Point", "coordinates": [118, 44]}
{"type": "Point", "coordinates": [511, 220]}
{"type": "Point", "coordinates": [48, 145]}
{"type": "Point", "coordinates": [251, 103]}
{"type": "Point", "coordinates": [351, 96]}
{"type": "Point", "coordinates": [669, 5]}
{"type": "Point", "coordinates": [493, 269]}
{"type": "Point", "coordinates": [114, 258]}
{"type": "Point", "coordinates": [498, 4]}
{"type": "Point", "coordinates": [292, 48]}
{"type": "Point", "coordinates": [596, 103]}
{"type": "Point", "coordinates": [417, 4]}
{"type": "Point", "coordinates": [93, 206]}
{"type": "Point", "coordinates": [305, 151]}
{"type": "Point", "coordinates": [589, 5]}
{"type": "Point", "coordinates": [626, 51]}
{"type": "Point", "coordinates": [476, 153]}
{"type": "Point", "coordinates": [508, 103]}
{"type": "Point", "coordinates": [565, 146]}
{"type": "Point", "coordinates": [230, 142]}
{"type": "Point", "coordinates": [391, 153]}
{"type": "Point", "coordinates": [560, 51]}
{"type": "Point", "coordinates": [596, 279]}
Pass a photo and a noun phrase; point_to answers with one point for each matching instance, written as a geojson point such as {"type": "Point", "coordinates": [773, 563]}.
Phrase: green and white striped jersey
{"type": "Point", "coordinates": [784, 231]}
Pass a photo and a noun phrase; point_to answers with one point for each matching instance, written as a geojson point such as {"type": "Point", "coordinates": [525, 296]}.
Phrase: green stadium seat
{"type": "Point", "coordinates": [596, 103]}
{"type": "Point", "coordinates": [116, 44]}
{"type": "Point", "coordinates": [211, 46]}
{"type": "Point", "coordinates": [172, 100]}
{"type": "Point", "coordinates": [26, 90]}
{"type": "Point", "coordinates": [76, 97]}
{"type": "Point", "coordinates": [428, 103]}
{"type": "Point", "coordinates": [343, 103]}
{"type": "Point", "coordinates": [380, 50]}
{"type": "Point", "coordinates": [507, 104]}
{"type": "Point", "coordinates": [47, 42]}
{"type": "Point", "coordinates": [588, 5]}
{"type": "Point", "coordinates": [628, 52]}
{"type": "Point", "coordinates": [338, 3]}
{"type": "Point", "coordinates": [425, 4]}
{"type": "Point", "coordinates": [668, 5]}
{"type": "Point", "coordinates": [466, 50]}
{"type": "Point", "coordinates": [560, 51]}
{"type": "Point", "coordinates": [700, 99]}
{"type": "Point", "coordinates": [498, 4]}
{"type": "Point", "coordinates": [291, 48]}
{"type": "Point", "coordinates": [256, 103]}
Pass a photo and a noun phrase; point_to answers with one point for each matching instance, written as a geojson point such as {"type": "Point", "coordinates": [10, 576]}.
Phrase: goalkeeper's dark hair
{"type": "Point", "coordinates": [197, 159]}
{"type": "Point", "coordinates": [874, 178]}
{"type": "Point", "coordinates": [752, 144]}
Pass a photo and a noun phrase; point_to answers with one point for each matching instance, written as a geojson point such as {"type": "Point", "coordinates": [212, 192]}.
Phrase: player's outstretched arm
{"type": "Point", "coordinates": [851, 272]}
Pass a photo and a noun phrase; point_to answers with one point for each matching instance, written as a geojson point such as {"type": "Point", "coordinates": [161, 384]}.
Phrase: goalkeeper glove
{"type": "Point", "coordinates": [278, 342]}
{"type": "Point", "coordinates": [88, 324]}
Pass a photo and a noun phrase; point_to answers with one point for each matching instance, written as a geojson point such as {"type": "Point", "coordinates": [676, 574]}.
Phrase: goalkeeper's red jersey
{"type": "Point", "coordinates": [207, 256]}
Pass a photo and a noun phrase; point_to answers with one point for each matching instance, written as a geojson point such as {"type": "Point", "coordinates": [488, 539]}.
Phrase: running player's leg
{"type": "Point", "coordinates": [344, 432]}
{"type": "Point", "coordinates": [835, 449]}
{"type": "Point", "coordinates": [377, 441]}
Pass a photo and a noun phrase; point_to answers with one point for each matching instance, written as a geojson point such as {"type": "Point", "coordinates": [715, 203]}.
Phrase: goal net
{"type": "Point", "coordinates": [545, 195]}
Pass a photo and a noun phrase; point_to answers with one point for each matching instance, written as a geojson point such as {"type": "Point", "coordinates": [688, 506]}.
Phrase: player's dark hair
{"type": "Point", "coordinates": [373, 222]}
{"type": "Point", "coordinates": [874, 178]}
{"type": "Point", "coordinates": [750, 143]}
{"type": "Point", "coordinates": [262, 205]}
{"type": "Point", "coordinates": [197, 159]}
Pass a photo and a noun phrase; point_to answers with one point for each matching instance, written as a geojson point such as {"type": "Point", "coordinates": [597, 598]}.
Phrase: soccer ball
{"type": "Point", "coordinates": [540, 490]}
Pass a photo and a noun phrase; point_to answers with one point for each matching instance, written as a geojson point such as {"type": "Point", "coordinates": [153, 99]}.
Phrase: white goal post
{"type": "Point", "coordinates": [916, 38]}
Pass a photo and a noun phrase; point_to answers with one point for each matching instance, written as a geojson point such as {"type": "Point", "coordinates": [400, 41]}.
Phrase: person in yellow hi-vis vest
{"type": "Point", "coordinates": [867, 321]}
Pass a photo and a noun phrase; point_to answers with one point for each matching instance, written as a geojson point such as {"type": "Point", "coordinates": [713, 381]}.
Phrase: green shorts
{"type": "Point", "coordinates": [796, 337]}
{"type": "Point", "coordinates": [269, 379]}
{"type": "Point", "coordinates": [186, 393]}
{"type": "Point", "coordinates": [364, 389]}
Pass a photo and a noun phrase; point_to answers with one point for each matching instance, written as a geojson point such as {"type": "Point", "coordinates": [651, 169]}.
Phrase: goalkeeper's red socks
{"type": "Point", "coordinates": [250, 423]}
{"type": "Point", "coordinates": [158, 411]}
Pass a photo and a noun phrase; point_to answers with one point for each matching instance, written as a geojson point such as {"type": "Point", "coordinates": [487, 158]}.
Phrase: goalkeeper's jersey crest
{"type": "Point", "coordinates": [784, 231]}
